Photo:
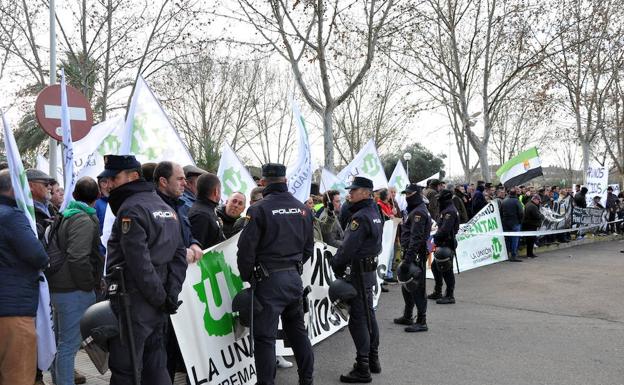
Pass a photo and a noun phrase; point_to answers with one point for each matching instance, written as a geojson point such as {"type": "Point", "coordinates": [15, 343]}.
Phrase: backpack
{"type": "Point", "coordinates": [52, 246]}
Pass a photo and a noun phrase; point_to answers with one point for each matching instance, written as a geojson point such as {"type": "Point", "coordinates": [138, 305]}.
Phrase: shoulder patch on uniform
{"type": "Point", "coordinates": [125, 225]}
{"type": "Point", "coordinates": [417, 218]}
{"type": "Point", "coordinates": [354, 225]}
{"type": "Point", "coordinates": [247, 220]}
{"type": "Point", "coordinates": [447, 215]}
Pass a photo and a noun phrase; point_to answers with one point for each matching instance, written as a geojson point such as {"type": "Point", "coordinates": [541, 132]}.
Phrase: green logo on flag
{"type": "Point", "coordinates": [217, 288]}
{"type": "Point", "coordinates": [398, 182]}
{"type": "Point", "coordinates": [497, 247]}
{"type": "Point", "coordinates": [371, 166]}
{"type": "Point", "coordinates": [233, 182]}
{"type": "Point", "coordinates": [110, 145]}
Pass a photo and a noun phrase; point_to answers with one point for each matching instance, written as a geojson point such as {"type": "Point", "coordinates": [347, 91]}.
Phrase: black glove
{"type": "Point", "coordinates": [170, 306]}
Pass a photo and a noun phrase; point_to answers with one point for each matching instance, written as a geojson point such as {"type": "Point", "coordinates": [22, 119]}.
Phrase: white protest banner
{"type": "Point", "coordinates": [423, 182]}
{"type": "Point", "coordinates": [204, 324]}
{"type": "Point", "coordinates": [399, 179]}
{"type": "Point", "coordinates": [366, 164]}
{"type": "Point", "coordinates": [299, 175]}
{"type": "Point", "coordinates": [46, 342]}
{"type": "Point", "coordinates": [472, 251]}
{"type": "Point", "coordinates": [233, 175]}
{"type": "Point", "coordinates": [597, 181]}
{"type": "Point", "coordinates": [68, 147]}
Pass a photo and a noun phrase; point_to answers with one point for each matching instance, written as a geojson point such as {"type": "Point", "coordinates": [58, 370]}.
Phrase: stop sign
{"type": "Point", "coordinates": [48, 112]}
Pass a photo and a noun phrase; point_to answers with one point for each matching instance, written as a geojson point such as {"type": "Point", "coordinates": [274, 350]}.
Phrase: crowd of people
{"type": "Point", "coordinates": [166, 214]}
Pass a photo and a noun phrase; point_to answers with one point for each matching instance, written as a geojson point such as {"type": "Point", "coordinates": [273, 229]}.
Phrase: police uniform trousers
{"type": "Point", "coordinates": [448, 277]}
{"type": "Point", "coordinates": [281, 296]}
{"type": "Point", "coordinates": [366, 342]}
{"type": "Point", "coordinates": [418, 297]}
{"type": "Point", "coordinates": [150, 329]}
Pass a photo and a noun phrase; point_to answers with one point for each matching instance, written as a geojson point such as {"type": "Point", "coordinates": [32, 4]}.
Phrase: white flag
{"type": "Point", "coordinates": [400, 180]}
{"type": "Point", "coordinates": [329, 181]}
{"type": "Point", "coordinates": [299, 175]}
{"type": "Point", "coordinates": [148, 133]}
{"type": "Point", "coordinates": [233, 175]}
{"type": "Point", "coordinates": [366, 164]}
{"type": "Point", "coordinates": [46, 343]}
{"type": "Point", "coordinates": [423, 183]}
{"type": "Point", "coordinates": [68, 146]}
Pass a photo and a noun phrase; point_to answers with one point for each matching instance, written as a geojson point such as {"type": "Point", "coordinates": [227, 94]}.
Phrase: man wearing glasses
{"type": "Point", "coordinates": [40, 185]}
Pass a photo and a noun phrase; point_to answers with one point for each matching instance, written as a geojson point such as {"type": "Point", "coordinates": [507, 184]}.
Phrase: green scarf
{"type": "Point", "coordinates": [76, 207]}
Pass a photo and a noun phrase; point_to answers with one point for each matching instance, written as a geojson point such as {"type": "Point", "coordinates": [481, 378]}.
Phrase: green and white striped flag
{"type": "Point", "coordinates": [521, 168]}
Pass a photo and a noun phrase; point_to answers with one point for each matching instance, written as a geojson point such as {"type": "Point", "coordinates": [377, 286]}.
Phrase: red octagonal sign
{"type": "Point", "coordinates": [48, 112]}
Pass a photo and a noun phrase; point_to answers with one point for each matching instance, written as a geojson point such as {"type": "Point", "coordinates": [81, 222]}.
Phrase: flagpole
{"type": "Point", "coordinates": [52, 144]}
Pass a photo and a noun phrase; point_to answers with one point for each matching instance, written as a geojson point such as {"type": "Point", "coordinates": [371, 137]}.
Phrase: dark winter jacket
{"type": "Point", "coordinates": [205, 225]}
{"type": "Point", "coordinates": [512, 212]}
{"type": "Point", "coordinates": [185, 224]}
{"type": "Point", "coordinates": [532, 215]}
{"type": "Point", "coordinates": [79, 236]}
{"type": "Point", "coordinates": [227, 221]}
{"type": "Point", "coordinates": [478, 202]}
{"type": "Point", "coordinates": [458, 201]}
{"type": "Point", "coordinates": [21, 258]}
{"type": "Point", "coordinates": [579, 200]}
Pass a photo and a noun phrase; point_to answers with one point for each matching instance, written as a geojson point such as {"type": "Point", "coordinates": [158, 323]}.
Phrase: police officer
{"type": "Point", "coordinates": [415, 232]}
{"type": "Point", "coordinates": [448, 226]}
{"type": "Point", "coordinates": [145, 240]}
{"type": "Point", "coordinates": [358, 254]}
{"type": "Point", "coordinates": [275, 242]}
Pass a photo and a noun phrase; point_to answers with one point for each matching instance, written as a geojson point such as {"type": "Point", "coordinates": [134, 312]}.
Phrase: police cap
{"type": "Point", "coordinates": [412, 188]}
{"type": "Point", "coordinates": [360, 182]}
{"type": "Point", "coordinates": [114, 164]}
{"type": "Point", "coordinates": [273, 170]}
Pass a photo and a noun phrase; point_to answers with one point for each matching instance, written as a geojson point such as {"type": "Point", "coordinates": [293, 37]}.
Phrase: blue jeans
{"type": "Point", "coordinates": [513, 242]}
{"type": "Point", "coordinates": [68, 309]}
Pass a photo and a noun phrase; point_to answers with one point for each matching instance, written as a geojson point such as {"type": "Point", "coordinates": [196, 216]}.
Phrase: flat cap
{"type": "Point", "coordinates": [113, 164]}
{"type": "Point", "coordinates": [411, 188]}
{"type": "Point", "coordinates": [272, 170]}
{"type": "Point", "coordinates": [34, 174]}
{"type": "Point", "coordinates": [190, 170]}
{"type": "Point", "coordinates": [360, 182]}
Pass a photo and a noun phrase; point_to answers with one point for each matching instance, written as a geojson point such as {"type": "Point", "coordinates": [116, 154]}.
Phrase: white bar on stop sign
{"type": "Point", "coordinates": [75, 113]}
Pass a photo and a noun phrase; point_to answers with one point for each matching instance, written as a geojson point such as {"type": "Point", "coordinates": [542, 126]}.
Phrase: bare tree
{"type": "Point", "coordinates": [587, 44]}
{"type": "Point", "coordinates": [471, 55]}
{"type": "Point", "coordinates": [612, 131]}
{"type": "Point", "coordinates": [312, 33]}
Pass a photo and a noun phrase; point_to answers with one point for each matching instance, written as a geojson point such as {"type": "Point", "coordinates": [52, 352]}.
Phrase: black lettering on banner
{"type": "Point", "coordinates": [321, 273]}
{"type": "Point", "coordinates": [212, 372]}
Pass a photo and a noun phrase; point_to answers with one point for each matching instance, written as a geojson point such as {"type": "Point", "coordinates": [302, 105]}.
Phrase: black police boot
{"type": "Point", "coordinates": [306, 381]}
{"type": "Point", "coordinates": [447, 299]}
{"type": "Point", "coordinates": [360, 373]}
{"type": "Point", "coordinates": [437, 293]}
{"type": "Point", "coordinates": [373, 363]}
{"type": "Point", "coordinates": [419, 326]}
{"type": "Point", "coordinates": [403, 320]}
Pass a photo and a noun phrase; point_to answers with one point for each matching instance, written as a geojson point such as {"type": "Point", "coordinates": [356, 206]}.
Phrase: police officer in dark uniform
{"type": "Point", "coordinates": [273, 246]}
{"type": "Point", "coordinates": [448, 226]}
{"type": "Point", "coordinates": [358, 256]}
{"type": "Point", "coordinates": [145, 240]}
{"type": "Point", "coordinates": [415, 232]}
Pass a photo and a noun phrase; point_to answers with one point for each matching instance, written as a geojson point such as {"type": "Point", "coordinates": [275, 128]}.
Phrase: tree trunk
{"type": "Point", "coordinates": [485, 165]}
{"type": "Point", "coordinates": [328, 137]}
{"type": "Point", "coordinates": [586, 155]}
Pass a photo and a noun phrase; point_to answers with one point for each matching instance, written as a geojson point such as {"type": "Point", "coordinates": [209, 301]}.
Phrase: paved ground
{"type": "Point", "coordinates": [558, 319]}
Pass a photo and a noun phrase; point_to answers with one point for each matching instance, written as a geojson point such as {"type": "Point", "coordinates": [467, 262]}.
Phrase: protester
{"type": "Point", "coordinates": [611, 206]}
{"type": "Point", "coordinates": [104, 185]}
{"type": "Point", "coordinates": [21, 258]}
{"type": "Point", "coordinates": [383, 201]}
{"type": "Point", "coordinates": [72, 288]}
{"type": "Point", "coordinates": [532, 221]}
{"type": "Point", "coordinates": [231, 212]}
{"type": "Point", "coordinates": [460, 201]}
{"type": "Point", "coordinates": [255, 196]}
{"type": "Point", "coordinates": [331, 231]}
{"type": "Point", "coordinates": [580, 200]}
{"type": "Point", "coordinates": [39, 183]}
{"type": "Point", "coordinates": [396, 210]}
{"type": "Point", "coordinates": [148, 171]}
{"type": "Point", "coordinates": [512, 214]}
{"type": "Point", "coordinates": [190, 191]}
{"type": "Point", "coordinates": [56, 196]}
{"type": "Point", "coordinates": [205, 225]}
{"type": "Point", "coordinates": [478, 200]}
{"type": "Point", "coordinates": [431, 194]}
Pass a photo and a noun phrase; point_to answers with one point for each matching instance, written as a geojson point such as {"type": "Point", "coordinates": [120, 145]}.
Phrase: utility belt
{"type": "Point", "coordinates": [263, 270]}
{"type": "Point", "coordinates": [366, 264]}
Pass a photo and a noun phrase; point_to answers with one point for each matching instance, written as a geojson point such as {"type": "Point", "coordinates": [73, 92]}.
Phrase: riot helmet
{"type": "Point", "coordinates": [443, 257]}
{"type": "Point", "coordinates": [409, 275]}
